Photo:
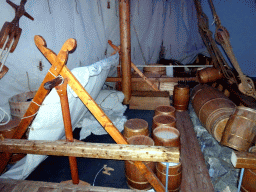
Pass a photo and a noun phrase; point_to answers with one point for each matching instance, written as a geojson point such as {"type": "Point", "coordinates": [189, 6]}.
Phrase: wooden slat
{"type": "Point", "coordinates": [35, 186]}
{"type": "Point", "coordinates": [195, 175]}
{"type": "Point", "coordinates": [92, 150]}
{"type": "Point", "coordinates": [243, 160]}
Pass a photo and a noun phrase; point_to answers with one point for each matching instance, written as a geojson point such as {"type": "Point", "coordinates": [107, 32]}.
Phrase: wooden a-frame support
{"type": "Point", "coordinates": [58, 68]}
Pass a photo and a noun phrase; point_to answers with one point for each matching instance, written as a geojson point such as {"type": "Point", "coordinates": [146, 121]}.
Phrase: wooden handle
{"type": "Point", "coordinates": [62, 92]}
{"type": "Point", "coordinates": [53, 83]}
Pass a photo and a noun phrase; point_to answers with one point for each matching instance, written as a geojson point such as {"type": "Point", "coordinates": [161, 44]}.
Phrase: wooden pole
{"type": "Point", "coordinates": [62, 92]}
{"type": "Point", "coordinates": [125, 45]}
{"type": "Point", "coordinates": [92, 150]}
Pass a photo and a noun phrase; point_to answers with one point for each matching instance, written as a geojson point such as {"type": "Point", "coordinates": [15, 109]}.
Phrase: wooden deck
{"type": "Point", "coordinates": [195, 175]}
{"type": "Point", "coordinates": [8, 185]}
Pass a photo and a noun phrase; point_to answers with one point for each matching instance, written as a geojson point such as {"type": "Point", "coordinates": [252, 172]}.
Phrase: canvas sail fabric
{"type": "Point", "coordinates": [48, 123]}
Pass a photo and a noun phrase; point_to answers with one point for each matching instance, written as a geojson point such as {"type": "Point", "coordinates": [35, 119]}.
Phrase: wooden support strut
{"type": "Point", "coordinates": [92, 150]}
{"type": "Point", "coordinates": [62, 92]}
{"type": "Point", "coordinates": [135, 68]}
{"type": "Point", "coordinates": [57, 61]}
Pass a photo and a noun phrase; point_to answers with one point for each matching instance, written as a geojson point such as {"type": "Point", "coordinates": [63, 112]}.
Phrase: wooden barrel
{"type": "Point", "coordinates": [209, 74]}
{"type": "Point", "coordinates": [181, 97]}
{"type": "Point", "coordinates": [240, 129]}
{"type": "Point", "coordinates": [167, 120]}
{"type": "Point", "coordinates": [133, 127]}
{"type": "Point", "coordinates": [174, 175]}
{"type": "Point", "coordinates": [166, 136]}
{"type": "Point", "coordinates": [213, 109]}
{"type": "Point", "coordinates": [249, 178]}
{"type": "Point", "coordinates": [154, 70]}
{"type": "Point", "coordinates": [133, 177]}
{"type": "Point", "coordinates": [165, 110]}
{"type": "Point", "coordinates": [8, 131]}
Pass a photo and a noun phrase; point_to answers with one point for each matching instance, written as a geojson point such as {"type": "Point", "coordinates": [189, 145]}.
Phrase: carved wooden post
{"type": "Point", "coordinates": [125, 42]}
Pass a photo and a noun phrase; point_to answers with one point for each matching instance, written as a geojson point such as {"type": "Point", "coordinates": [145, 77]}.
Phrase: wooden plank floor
{"type": "Point", "coordinates": [9, 185]}
{"type": "Point", "coordinates": [195, 175]}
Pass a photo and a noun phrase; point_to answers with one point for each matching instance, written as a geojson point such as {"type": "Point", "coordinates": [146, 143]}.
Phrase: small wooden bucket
{"type": "Point", "coordinates": [167, 120]}
{"type": "Point", "coordinates": [213, 109]}
{"type": "Point", "coordinates": [165, 110]}
{"type": "Point", "coordinates": [20, 103]}
{"type": "Point", "coordinates": [133, 127]}
{"type": "Point", "coordinates": [249, 178]}
{"type": "Point", "coordinates": [181, 97]}
{"type": "Point", "coordinates": [209, 74]}
{"type": "Point", "coordinates": [134, 178]}
{"type": "Point", "coordinates": [174, 175]}
{"type": "Point", "coordinates": [166, 136]}
{"type": "Point", "coordinates": [240, 129]}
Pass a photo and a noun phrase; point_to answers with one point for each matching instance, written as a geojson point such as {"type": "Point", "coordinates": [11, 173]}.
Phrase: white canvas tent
{"type": "Point", "coordinates": [171, 23]}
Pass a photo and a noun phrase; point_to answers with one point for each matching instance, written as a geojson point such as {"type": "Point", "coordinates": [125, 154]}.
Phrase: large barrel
{"type": "Point", "coordinates": [213, 109]}
{"type": "Point", "coordinates": [174, 175]}
{"type": "Point", "coordinates": [181, 97]}
{"type": "Point", "coordinates": [134, 178]}
{"type": "Point", "coordinates": [240, 129]}
{"type": "Point", "coordinates": [249, 178]}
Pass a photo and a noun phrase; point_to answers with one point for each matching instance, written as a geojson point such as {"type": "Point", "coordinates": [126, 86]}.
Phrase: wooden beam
{"type": "Point", "coordinates": [243, 160]}
{"type": "Point", "coordinates": [125, 47]}
{"type": "Point", "coordinates": [91, 150]}
{"type": "Point", "coordinates": [195, 175]}
{"type": "Point", "coordinates": [10, 185]}
{"type": "Point", "coordinates": [161, 79]}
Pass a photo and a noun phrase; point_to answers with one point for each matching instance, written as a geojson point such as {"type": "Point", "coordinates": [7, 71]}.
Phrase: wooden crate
{"type": "Point", "coordinates": [149, 100]}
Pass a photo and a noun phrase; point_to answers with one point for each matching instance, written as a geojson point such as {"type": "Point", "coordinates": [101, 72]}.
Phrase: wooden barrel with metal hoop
{"type": "Point", "coordinates": [240, 129]}
{"type": "Point", "coordinates": [209, 74]}
{"type": "Point", "coordinates": [213, 109]}
{"type": "Point", "coordinates": [174, 175]}
{"type": "Point", "coordinates": [181, 97]}
{"type": "Point", "coordinates": [133, 177]}
{"type": "Point", "coordinates": [7, 132]}
{"type": "Point", "coordinates": [133, 127]}
{"type": "Point", "coordinates": [249, 178]}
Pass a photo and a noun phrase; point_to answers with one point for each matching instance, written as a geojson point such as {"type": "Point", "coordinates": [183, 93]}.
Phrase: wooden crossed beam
{"type": "Point", "coordinates": [58, 68]}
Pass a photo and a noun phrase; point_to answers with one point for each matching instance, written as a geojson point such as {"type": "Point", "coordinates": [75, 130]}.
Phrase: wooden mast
{"type": "Point", "coordinates": [125, 45]}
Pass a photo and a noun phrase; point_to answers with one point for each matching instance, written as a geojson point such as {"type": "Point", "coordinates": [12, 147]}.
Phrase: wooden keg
{"type": "Point", "coordinates": [240, 129]}
{"type": "Point", "coordinates": [165, 110]}
{"type": "Point", "coordinates": [166, 136]}
{"type": "Point", "coordinates": [249, 178]}
{"type": "Point", "coordinates": [209, 74]}
{"type": "Point", "coordinates": [7, 132]}
{"type": "Point", "coordinates": [154, 70]}
{"type": "Point", "coordinates": [134, 127]}
{"type": "Point", "coordinates": [213, 109]}
{"type": "Point", "coordinates": [167, 120]}
{"type": "Point", "coordinates": [134, 178]}
{"type": "Point", "coordinates": [174, 175]}
{"type": "Point", "coordinates": [181, 97]}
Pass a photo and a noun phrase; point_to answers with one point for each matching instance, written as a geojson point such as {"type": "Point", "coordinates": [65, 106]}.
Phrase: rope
{"type": "Point", "coordinates": [2, 117]}
{"type": "Point", "coordinates": [166, 177]}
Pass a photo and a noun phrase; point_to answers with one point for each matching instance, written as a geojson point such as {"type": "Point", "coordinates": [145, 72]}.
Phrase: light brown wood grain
{"type": "Point", "coordinates": [92, 150]}
{"type": "Point", "coordinates": [243, 160]}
